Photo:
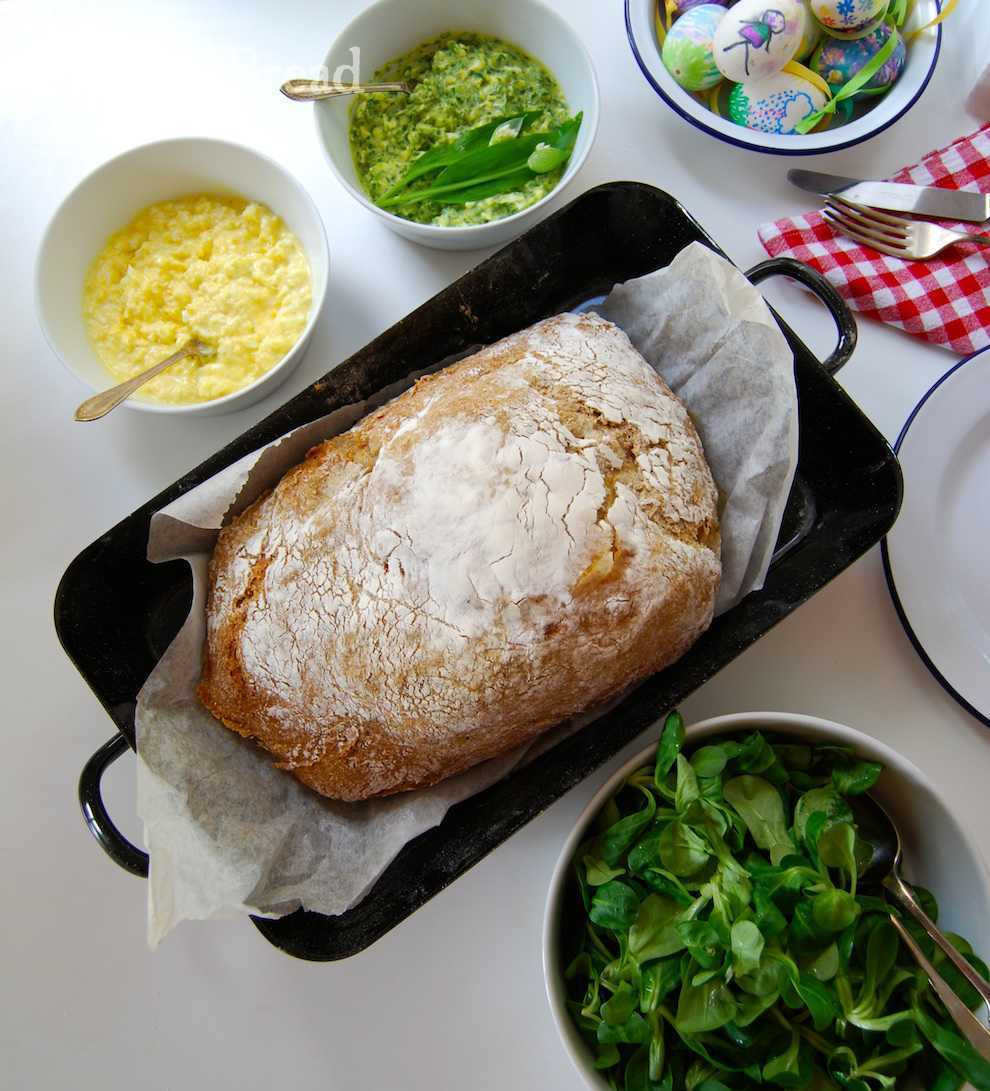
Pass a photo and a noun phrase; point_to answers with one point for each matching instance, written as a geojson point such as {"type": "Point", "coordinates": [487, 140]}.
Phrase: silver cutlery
{"type": "Point", "coordinates": [945, 204]}
{"type": "Point", "coordinates": [317, 90]}
{"type": "Point", "coordinates": [877, 829]}
{"type": "Point", "coordinates": [100, 404]}
{"type": "Point", "coordinates": [893, 235]}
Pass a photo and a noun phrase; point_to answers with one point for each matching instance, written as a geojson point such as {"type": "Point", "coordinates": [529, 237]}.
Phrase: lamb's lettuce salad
{"type": "Point", "coordinates": [721, 936]}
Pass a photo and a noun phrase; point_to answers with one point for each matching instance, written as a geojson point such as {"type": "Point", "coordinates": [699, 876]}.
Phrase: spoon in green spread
{"type": "Point", "coordinates": [317, 90]}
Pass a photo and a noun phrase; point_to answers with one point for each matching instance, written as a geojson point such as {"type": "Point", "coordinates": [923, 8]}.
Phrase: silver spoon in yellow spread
{"type": "Point", "coordinates": [100, 404]}
{"type": "Point", "coordinates": [317, 90]}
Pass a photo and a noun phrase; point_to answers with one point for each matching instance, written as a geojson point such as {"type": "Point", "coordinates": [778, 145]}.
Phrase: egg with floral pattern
{"type": "Point", "coordinates": [687, 49]}
{"type": "Point", "coordinates": [757, 38]}
{"type": "Point", "coordinates": [847, 15]}
{"type": "Point", "coordinates": [776, 104]}
{"type": "Point", "coordinates": [838, 60]}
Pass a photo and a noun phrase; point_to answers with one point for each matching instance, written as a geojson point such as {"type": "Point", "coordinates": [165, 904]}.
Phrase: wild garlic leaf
{"type": "Point", "coordinates": [444, 154]}
{"type": "Point", "coordinates": [759, 805]}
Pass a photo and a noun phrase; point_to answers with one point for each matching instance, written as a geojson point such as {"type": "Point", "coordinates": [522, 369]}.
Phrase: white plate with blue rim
{"type": "Point", "coordinates": [935, 556]}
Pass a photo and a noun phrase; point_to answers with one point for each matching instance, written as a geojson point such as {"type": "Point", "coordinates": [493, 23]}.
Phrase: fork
{"type": "Point", "coordinates": [892, 235]}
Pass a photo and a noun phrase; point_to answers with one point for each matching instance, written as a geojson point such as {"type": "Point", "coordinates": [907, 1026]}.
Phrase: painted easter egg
{"type": "Point", "coordinates": [776, 104]}
{"type": "Point", "coordinates": [847, 15]}
{"type": "Point", "coordinates": [757, 38]}
{"type": "Point", "coordinates": [838, 60]}
{"type": "Point", "coordinates": [812, 33]}
{"type": "Point", "coordinates": [687, 49]}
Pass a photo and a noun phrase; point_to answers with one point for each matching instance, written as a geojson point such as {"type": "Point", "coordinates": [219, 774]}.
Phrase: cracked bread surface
{"type": "Point", "coordinates": [509, 543]}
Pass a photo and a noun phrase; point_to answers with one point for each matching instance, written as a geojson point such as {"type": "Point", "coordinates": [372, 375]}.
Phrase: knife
{"type": "Point", "coordinates": [945, 204]}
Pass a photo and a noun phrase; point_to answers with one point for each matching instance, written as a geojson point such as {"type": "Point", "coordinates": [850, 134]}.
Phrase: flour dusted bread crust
{"type": "Point", "coordinates": [514, 540]}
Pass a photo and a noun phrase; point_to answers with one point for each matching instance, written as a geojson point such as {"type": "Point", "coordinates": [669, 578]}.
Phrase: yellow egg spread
{"type": "Point", "coordinates": [222, 269]}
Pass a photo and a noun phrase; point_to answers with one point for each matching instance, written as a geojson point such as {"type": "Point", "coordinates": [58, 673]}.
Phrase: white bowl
{"type": "Point", "coordinates": [391, 28]}
{"type": "Point", "coordinates": [938, 854]}
{"type": "Point", "coordinates": [113, 194]}
{"type": "Point", "coordinates": [922, 55]}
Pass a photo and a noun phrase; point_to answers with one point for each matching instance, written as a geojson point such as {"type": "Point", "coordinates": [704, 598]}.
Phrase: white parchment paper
{"type": "Point", "coordinates": [227, 832]}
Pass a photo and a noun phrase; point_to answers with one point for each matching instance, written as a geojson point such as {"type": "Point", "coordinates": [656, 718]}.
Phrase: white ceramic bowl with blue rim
{"type": "Point", "coordinates": [391, 28]}
{"type": "Point", "coordinates": [110, 197]}
{"type": "Point", "coordinates": [938, 853]}
{"type": "Point", "coordinates": [922, 56]}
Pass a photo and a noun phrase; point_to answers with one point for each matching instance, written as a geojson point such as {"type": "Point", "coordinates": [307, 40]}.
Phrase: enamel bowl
{"type": "Point", "coordinates": [113, 194]}
{"type": "Point", "coordinates": [922, 56]}
{"type": "Point", "coordinates": [938, 853]}
{"type": "Point", "coordinates": [391, 28]}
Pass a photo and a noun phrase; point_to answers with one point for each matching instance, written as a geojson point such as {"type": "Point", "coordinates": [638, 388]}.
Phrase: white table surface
{"type": "Point", "coordinates": [453, 997]}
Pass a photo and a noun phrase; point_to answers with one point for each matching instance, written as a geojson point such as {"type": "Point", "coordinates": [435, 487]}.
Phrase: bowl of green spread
{"type": "Point", "coordinates": [502, 113]}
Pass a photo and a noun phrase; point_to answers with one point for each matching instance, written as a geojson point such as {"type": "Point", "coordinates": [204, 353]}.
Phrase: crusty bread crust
{"type": "Point", "coordinates": [512, 541]}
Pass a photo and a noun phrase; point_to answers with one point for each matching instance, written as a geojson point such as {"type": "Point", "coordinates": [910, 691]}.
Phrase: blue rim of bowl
{"type": "Point", "coordinates": [888, 573]}
{"type": "Point", "coordinates": [779, 151]}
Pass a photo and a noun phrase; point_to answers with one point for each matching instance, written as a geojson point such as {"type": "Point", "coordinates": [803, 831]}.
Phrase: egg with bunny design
{"type": "Point", "coordinates": [757, 38]}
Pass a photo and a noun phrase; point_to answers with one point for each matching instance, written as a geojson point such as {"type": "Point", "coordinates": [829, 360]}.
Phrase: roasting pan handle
{"type": "Point", "coordinates": [111, 840]}
{"type": "Point", "coordinates": [845, 324]}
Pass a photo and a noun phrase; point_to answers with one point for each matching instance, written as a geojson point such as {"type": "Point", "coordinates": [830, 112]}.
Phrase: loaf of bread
{"type": "Point", "coordinates": [514, 540]}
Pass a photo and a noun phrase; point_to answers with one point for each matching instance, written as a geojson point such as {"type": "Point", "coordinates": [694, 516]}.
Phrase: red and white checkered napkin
{"type": "Point", "coordinates": [946, 299]}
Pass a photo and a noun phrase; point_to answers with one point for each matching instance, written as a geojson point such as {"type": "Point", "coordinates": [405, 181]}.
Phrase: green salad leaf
{"type": "Point", "coordinates": [721, 940]}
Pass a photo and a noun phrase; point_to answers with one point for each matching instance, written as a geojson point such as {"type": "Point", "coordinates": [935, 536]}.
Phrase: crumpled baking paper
{"type": "Point", "coordinates": [228, 833]}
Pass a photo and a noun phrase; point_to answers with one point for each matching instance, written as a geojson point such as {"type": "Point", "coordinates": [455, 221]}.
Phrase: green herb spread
{"type": "Point", "coordinates": [461, 81]}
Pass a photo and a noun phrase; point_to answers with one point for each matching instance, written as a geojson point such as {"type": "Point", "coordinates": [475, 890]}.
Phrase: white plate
{"type": "Point", "coordinates": [935, 556]}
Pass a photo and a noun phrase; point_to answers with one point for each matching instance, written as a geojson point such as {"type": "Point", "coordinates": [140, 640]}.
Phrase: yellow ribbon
{"type": "Point", "coordinates": [794, 68]}
{"type": "Point", "coordinates": [950, 7]}
{"type": "Point", "coordinates": [660, 28]}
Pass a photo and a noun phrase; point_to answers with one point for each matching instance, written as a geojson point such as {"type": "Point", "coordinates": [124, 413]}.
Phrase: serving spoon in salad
{"type": "Point", "coordinates": [317, 90]}
{"type": "Point", "coordinates": [877, 829]}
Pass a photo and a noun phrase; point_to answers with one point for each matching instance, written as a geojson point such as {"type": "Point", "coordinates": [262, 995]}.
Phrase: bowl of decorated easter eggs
{"type": "Point", "coordinates": [787, 77]}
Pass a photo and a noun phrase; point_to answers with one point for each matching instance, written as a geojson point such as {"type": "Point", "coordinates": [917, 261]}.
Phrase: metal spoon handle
{"type": "Point", "coordinates": [100, 404]}
{"type": "Point", "coordinates": [315, 90]}
{"type": "Point", "coordinates": [896, 885]}
{"type": "Point", "coordinates": [969, 1026]}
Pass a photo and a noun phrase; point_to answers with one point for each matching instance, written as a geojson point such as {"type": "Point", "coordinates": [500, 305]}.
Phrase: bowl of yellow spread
{"type": "Point", "coordinates": [180, 240]}
{"type": "Point", "coordinates": [504, 103]}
